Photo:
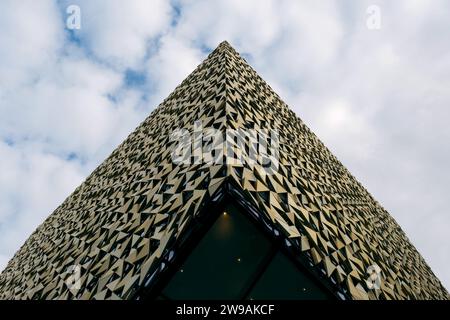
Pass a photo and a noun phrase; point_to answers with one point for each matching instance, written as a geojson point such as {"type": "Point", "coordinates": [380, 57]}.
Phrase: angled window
{"type": "Point", "coordinates": [236, 260]}
{"type": "Point", "coordinates": [282, 280]}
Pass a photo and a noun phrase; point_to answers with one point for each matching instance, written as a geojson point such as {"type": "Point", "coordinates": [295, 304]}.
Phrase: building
{"type": "Point", "coordinates": [221, 193]}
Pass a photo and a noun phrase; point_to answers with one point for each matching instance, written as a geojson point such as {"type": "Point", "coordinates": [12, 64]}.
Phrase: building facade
{"type": "Point", "coordinates": [221, 193]}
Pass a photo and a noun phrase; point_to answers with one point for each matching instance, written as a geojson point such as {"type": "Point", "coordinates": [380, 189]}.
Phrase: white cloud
{"type": "Point", "coordinates": [31, 34]}
{"type": "Point", "coordinates": [224, 20]}
{"type": "Point", "coordinates": [74, 96]}
{"type": "Point", "coordinates": [174, 61]}
{"type": "Point", "coordinates": [118, 31]}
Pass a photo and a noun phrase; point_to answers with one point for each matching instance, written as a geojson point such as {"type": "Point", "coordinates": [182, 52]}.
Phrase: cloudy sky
{"type": "Point", "coordinates": [376, 91]}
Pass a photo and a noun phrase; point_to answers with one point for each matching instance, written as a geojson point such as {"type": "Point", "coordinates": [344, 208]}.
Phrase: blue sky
{"type": "Point", "coordinates": [378, 98]}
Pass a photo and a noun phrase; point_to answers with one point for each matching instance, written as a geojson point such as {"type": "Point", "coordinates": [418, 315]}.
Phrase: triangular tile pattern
{"type": "Point", "coordinates": [121, 223]}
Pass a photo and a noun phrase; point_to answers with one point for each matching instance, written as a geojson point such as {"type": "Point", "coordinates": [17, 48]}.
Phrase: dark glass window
{"type": "Point", "coordinates": [223, 263]}
{"type": "Point", "coordinates": [282, 280]}
{"type": "Point", "coordinates": [236, 260]}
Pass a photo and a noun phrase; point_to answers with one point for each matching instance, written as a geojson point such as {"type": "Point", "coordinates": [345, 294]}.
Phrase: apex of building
{"type": "Point", "coordinates": [225, 43]}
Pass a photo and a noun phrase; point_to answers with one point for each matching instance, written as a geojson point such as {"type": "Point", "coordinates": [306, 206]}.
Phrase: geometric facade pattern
{"type": "Point", "coordinates": [121, 227]}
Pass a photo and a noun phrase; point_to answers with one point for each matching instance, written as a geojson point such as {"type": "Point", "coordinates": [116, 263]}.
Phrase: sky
{"type": "Point", "coordinates": [370, 78]}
